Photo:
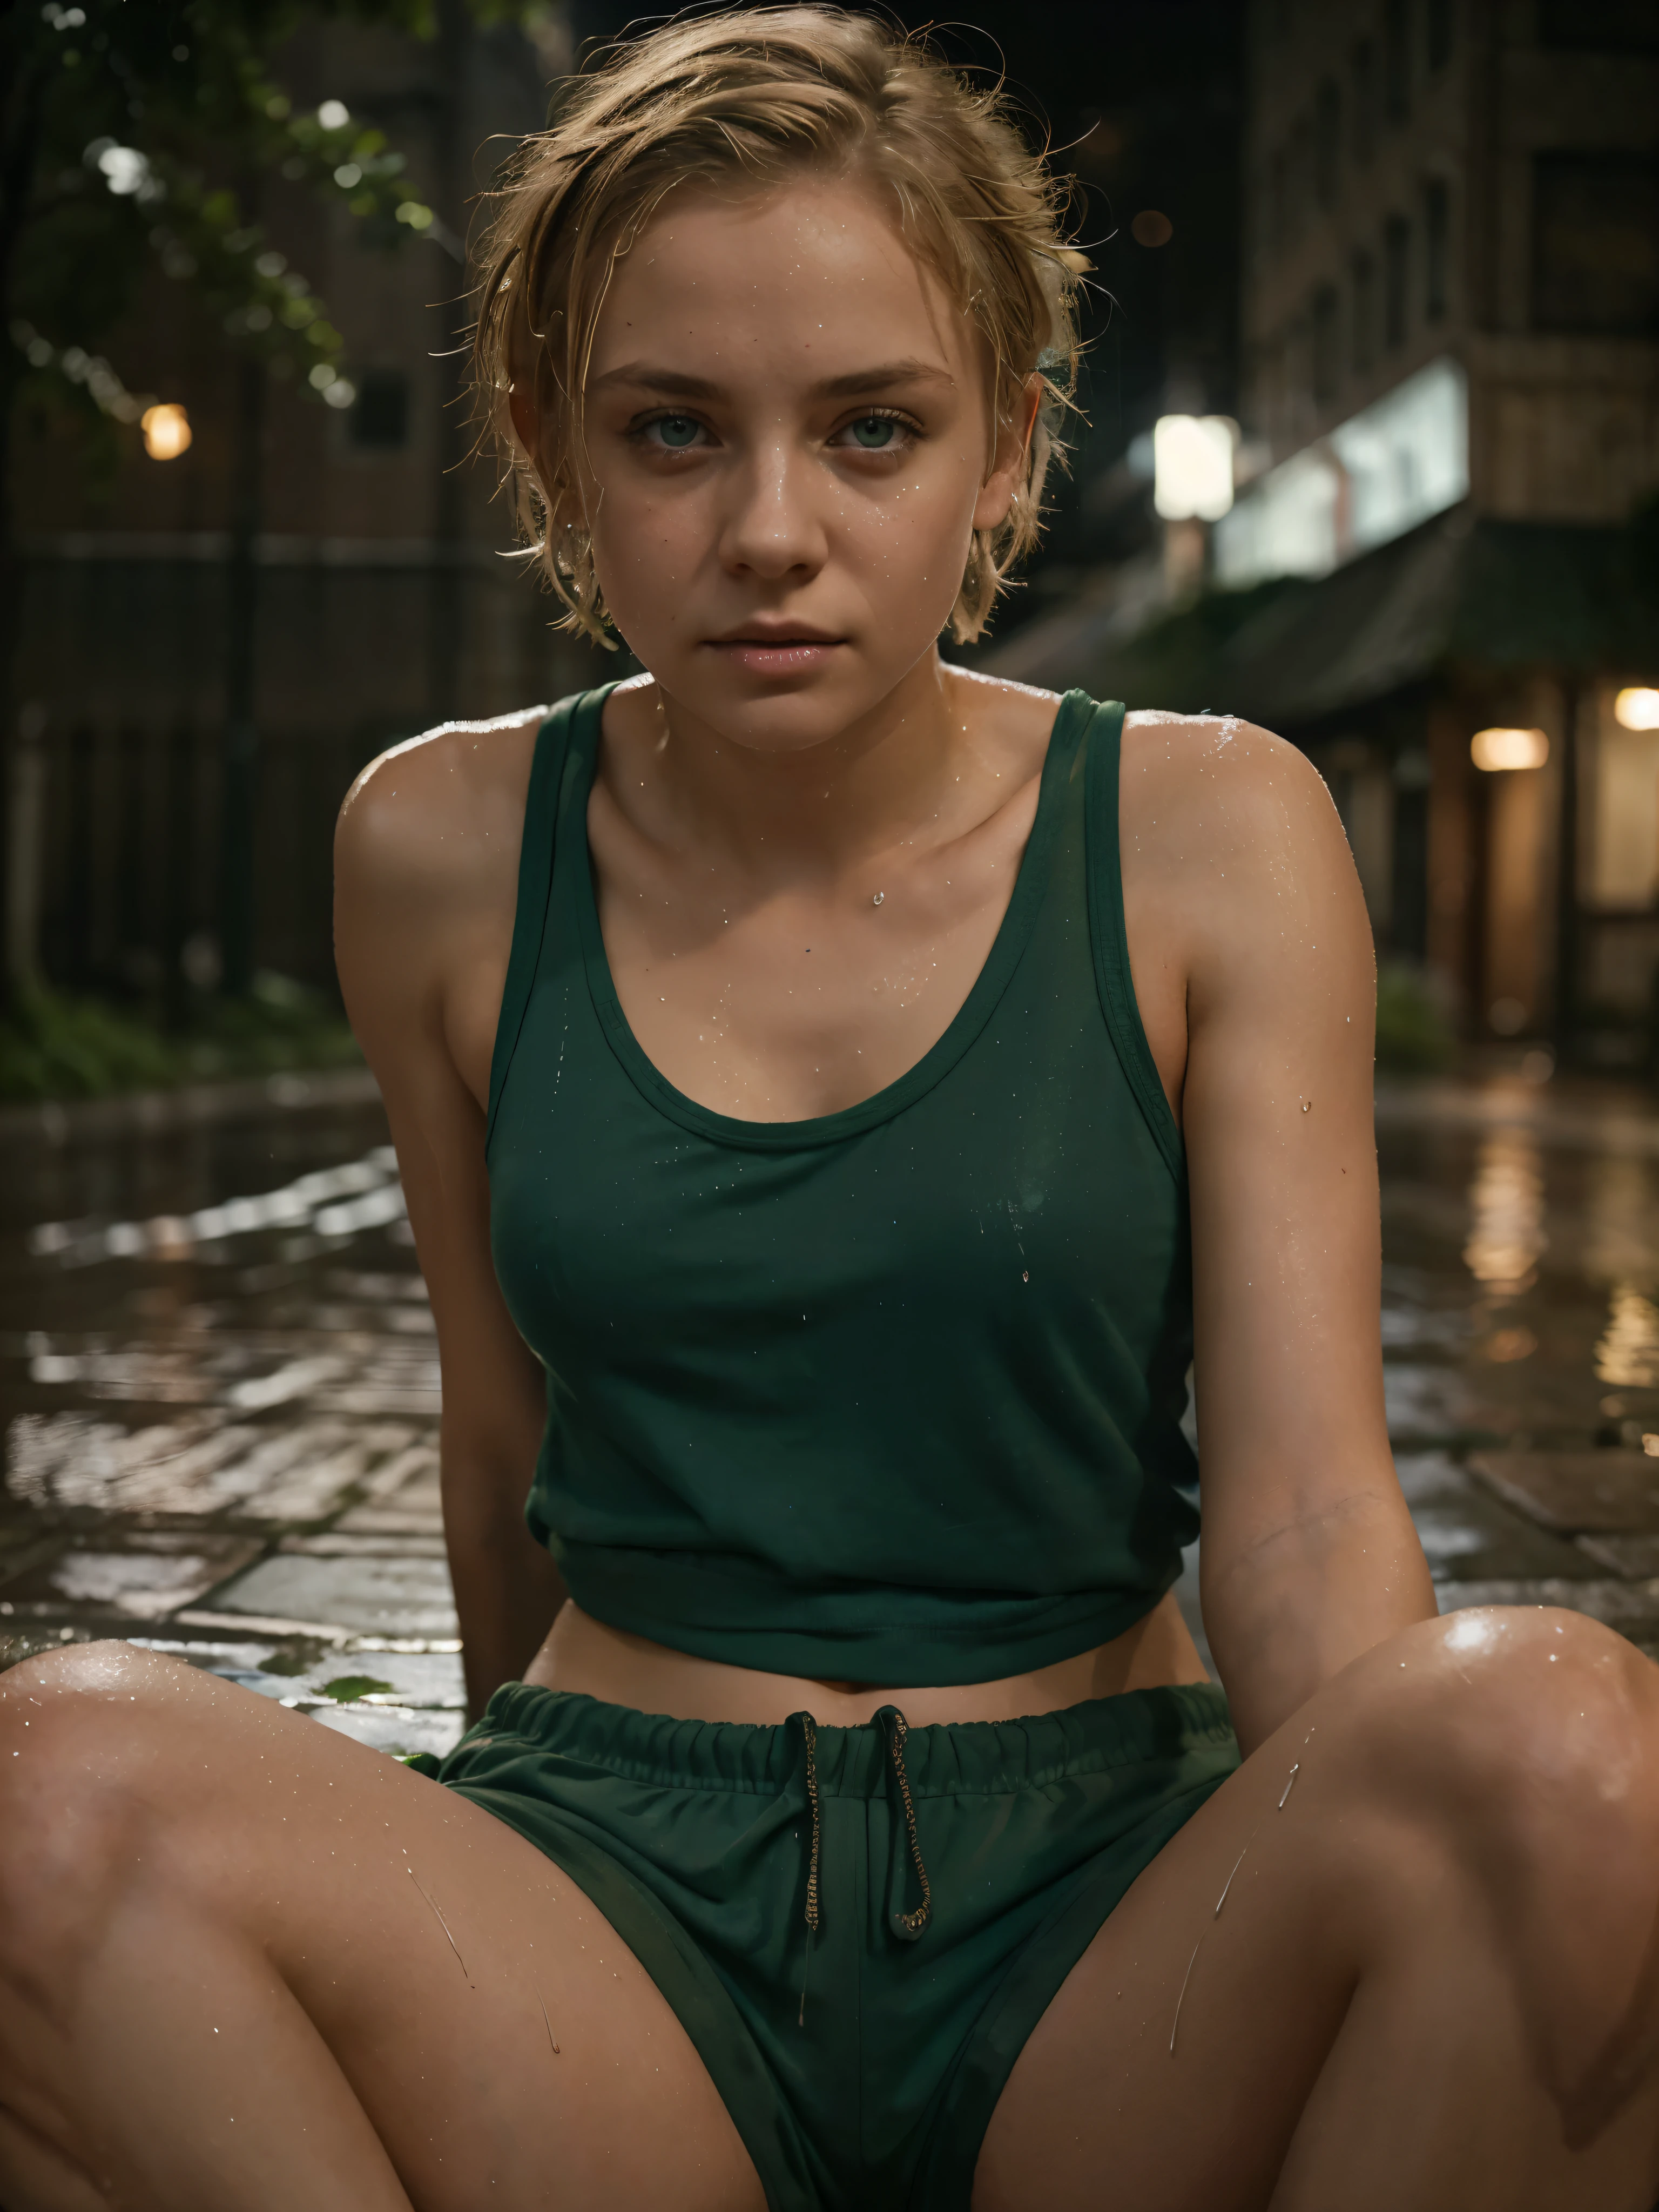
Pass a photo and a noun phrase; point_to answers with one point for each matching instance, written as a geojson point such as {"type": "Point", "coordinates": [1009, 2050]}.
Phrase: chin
{"type": "Point", "coordinates": [783, 713]}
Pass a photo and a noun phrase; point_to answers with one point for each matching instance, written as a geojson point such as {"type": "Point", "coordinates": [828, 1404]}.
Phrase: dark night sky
{"type": "Point", "coordinates": [1143, 99]}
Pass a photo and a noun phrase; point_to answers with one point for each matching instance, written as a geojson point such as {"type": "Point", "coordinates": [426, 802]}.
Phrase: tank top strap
{"type": "Point", "coordinates": [542, 806]}
{"type": "Point", "coordinates": [1108, 936]}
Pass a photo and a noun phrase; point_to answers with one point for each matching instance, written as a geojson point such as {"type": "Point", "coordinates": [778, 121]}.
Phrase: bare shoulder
{"type": "Point", "coordinates": [426, 872]}
{"type": "Point", "coordinates": [1230, 812]}
{"type": "Point", "coordinates": [1236, 867]}
{"type": "Point", "coordinates": [1211, 781]}
{"type": "Point", "coordinates": [439, 811]}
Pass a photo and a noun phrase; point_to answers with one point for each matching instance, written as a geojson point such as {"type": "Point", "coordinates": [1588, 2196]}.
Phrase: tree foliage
{"type": "Point", "coordinates": [135, 133]}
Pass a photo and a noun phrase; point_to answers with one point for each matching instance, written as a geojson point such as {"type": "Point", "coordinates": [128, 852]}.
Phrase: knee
{"type": "Point", "coordinates": [1519, 1749]}
{"type": "Point", "coordinates": [82, 1731]}
{"type": "Point", "coordinates": [1530, 1736]}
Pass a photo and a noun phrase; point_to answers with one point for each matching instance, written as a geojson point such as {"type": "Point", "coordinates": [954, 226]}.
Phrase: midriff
{"type": "Point", "coordinates": [583, 1656]}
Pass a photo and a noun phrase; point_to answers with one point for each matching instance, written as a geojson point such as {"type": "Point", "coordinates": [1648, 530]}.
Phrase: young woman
{"type": "Point", "coordinates": [833, 1092]}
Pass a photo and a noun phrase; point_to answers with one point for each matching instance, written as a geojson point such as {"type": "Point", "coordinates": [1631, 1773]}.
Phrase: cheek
{"type": "Point", "coordinates": [645, 540]}
{"type": "Point", "coordinates": [917, 527]}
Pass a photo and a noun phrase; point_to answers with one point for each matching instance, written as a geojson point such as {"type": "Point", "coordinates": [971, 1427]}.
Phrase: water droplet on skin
{"type": "Point", "coordinates": [878, 898]}
{"type": "Point", "coordinates": [1182, 1999]}
{"type": "Point", "coordinates": [1306, 1103]}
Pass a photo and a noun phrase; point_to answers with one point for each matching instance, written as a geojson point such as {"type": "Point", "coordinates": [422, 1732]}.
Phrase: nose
{"type": "Point", "coordinates": [773, 526]}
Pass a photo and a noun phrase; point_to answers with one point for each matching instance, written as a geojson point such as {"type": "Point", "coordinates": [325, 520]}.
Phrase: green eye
{"type": "Point", "coordinates": [872, 432]}
{"type": "Point", "coordinates": [677, 431]}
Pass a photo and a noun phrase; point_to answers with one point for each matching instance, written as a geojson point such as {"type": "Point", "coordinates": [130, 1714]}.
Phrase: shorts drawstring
{"type": "Point", "coordinates": [906, 1925]}
{"type": "Point", "coordinates": [809, 1729]}
{"type": "Point", "coordinates": [909, 1925]}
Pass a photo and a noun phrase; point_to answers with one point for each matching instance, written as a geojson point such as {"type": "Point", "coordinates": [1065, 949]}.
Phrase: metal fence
{"type": "Point", "coordinates": [117, 816]}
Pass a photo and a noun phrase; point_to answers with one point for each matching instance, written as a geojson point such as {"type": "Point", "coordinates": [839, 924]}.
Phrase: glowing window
{"type": "Point", "coordinates": [1506, 748]}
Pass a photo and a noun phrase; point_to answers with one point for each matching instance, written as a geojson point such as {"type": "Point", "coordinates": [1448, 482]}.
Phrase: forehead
{"type": "Point", "coordinates": [798, 280]}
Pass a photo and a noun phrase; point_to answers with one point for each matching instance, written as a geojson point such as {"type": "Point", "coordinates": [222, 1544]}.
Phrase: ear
{"type": "Point", "coordinates": [996, 494]}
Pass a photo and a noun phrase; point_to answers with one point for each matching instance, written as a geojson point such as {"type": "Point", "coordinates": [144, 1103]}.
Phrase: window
{"type": "Point", "coordinates": [1325, 320]}
{"type": "Point", "coordinates": [1397, 59]}
{"type": "Point", "coordinates": [1436, 246]}
{"type": "Point", "coordinates": [1363, 332]}
{"type": "Point", "coordinates": [1365, 100]}
{"type": "Point", "coordinates": [379, 421]}
{"type": "Point", "coordinates": [1608, 26]}
{"type": "Point", "coordinates": [1440, 27]}
{"type": "Point", "coordinates": [1396, 277]}
{"type": "Point", "coordinates": [1327, 142]}
{"type": "Point", "coordinates": [1595, 243]}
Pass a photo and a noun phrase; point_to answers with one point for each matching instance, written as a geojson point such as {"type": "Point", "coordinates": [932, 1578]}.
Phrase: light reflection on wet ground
{"type": "Point", "coordinates": [1520, 1334]}
{"type": "Point", "coordinates": [219, 1388]}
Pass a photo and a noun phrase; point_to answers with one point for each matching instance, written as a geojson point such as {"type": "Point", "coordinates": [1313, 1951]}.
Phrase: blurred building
{"type": "Point", "coordinates": [1450, 426]}
{"type": "Point", "coordinates": [381, 601]}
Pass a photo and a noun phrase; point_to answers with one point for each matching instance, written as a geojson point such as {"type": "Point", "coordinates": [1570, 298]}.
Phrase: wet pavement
{"type": "Point", "coordinates": [219, 1387]}
{"type": "Point", "coordinates": [219, 1391]}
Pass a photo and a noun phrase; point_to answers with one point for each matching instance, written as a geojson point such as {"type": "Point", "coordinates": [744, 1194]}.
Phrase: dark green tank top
{"type": "Point", "coordinates": [891, 1396]}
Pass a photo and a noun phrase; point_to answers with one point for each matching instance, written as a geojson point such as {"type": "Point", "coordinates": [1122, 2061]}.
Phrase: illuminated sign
{"type": "Point", "coordinates": [1375, 477]}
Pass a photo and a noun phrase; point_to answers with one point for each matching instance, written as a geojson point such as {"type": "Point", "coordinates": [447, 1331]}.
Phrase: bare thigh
{"type": "Point", "coordinates": [191, 1858]}
{"type": "Point", "coordinates": [1431, 1957]}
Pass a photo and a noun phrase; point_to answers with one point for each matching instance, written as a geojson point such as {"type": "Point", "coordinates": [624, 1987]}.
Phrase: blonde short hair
{"type": "Point", "coordinates": [756, 94]}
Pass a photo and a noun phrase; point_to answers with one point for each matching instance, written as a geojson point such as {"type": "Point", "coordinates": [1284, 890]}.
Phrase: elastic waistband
{"type": "Point", "coordinates": [958, 1759]}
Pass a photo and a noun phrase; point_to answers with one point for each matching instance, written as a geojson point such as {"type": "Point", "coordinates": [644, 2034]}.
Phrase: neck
{"type": "Point", "coordinates": [828, 807]}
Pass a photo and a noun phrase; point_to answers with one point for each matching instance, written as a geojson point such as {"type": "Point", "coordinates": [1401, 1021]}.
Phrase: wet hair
{"type": "Point", "coordinates": [760, 96]}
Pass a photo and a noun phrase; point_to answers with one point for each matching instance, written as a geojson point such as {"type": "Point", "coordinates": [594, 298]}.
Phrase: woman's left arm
{"type": "Point", "coordinates": [1238, 870]}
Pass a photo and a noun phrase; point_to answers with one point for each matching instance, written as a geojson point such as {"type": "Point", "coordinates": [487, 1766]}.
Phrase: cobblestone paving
{"type": "Point", "coordinates": [219, 1387]}
{"type": "Point", "coordinates": [1520, 1341]}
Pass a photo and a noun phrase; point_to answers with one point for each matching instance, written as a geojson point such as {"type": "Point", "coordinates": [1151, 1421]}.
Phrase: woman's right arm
{"type": "Point", "coordinates": [425, 869]}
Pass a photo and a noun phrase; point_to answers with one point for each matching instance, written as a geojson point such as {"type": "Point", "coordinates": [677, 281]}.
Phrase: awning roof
{"type": "Point", "coordinates": [1457, 593]}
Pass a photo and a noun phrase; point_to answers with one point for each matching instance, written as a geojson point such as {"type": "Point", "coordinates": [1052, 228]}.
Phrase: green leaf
{"type": "Point", "coordinates": [347, 1689]}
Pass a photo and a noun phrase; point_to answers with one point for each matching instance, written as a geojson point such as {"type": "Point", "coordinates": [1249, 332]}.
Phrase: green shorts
{"type": "Point", "coordinates": [858, 1928]}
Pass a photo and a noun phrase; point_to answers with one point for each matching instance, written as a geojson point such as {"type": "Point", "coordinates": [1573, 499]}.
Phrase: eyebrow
{"type": "Point", "coordinates": [883, 377]}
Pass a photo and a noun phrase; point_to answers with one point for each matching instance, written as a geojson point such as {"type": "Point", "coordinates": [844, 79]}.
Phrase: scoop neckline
{"type": "Point", "coordinates": [1071, 716]}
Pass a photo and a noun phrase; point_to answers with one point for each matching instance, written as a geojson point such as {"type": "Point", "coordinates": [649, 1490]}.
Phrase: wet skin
{"type": "Point", "coordinates": [246, 1963]}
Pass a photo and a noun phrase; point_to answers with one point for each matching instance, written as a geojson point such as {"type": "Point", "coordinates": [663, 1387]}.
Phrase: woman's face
{"type": "Point", "coordinates": [788, 446]}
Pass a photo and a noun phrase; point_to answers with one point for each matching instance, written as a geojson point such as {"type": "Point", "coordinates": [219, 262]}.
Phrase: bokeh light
{"type": "Point", "coordinates": [1503, 749]}
{"type": "Point", "coordinates": [166, 431]}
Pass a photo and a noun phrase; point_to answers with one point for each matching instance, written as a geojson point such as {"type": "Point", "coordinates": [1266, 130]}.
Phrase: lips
{"type": "Point", "coordinates": [761, 632]}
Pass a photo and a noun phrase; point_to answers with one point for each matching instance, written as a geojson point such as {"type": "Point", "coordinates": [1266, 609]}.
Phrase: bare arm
{"type": "Point", "coordinates": [426, 861]}
{"type": "Point", "coordinates": [1252, 942]}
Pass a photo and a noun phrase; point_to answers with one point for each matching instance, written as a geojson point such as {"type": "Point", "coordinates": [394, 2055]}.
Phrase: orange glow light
{"type": "Point", "coordinates": [166, 431]}
{"type": "Point", "coordinates": [1637, 709]}
{"type": "Point", "coordinates": [1502, 749]}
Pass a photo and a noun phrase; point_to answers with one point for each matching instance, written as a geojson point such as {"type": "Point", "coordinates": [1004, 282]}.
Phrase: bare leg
{"type": "Point", "coordinates": [1434, 1982]}
{"type": "Point", "coordinates": [246, 1964]}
